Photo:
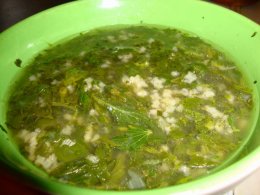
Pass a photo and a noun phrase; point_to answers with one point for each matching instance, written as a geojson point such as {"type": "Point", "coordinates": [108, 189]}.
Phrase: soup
{"type": "Point", "coordinates": [131, 107]}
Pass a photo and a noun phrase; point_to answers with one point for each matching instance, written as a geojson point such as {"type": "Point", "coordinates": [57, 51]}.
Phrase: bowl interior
{"type": "Point", "coordinates": [238, 37]}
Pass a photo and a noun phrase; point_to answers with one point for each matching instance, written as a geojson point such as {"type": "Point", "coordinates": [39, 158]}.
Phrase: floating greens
{"type": "Point", "coordinates": [130, 107]}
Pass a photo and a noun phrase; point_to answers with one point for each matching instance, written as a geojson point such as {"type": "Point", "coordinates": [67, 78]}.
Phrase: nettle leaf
{"type": "Point", "coordinates": [125, 116]}
{"type": "Point", "coordinates": [133, 139]}
{"type": "Point", "coordinates": [139, 126]}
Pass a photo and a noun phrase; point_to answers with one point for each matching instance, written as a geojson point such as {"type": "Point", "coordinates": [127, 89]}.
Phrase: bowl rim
{"type": "Point", "coordinates": [249, 163]}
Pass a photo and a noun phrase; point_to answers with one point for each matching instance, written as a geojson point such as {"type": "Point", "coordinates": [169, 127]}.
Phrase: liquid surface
{"type": "Point", "coordinates": [130, 108]}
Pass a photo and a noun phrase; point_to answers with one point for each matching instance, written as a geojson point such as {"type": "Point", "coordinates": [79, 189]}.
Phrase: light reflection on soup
{"type": "Point", "coordinates": [131, 107]}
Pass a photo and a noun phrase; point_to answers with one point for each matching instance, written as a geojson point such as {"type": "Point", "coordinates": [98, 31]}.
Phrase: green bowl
{"type": "Point", "coordinates": [237, 36]}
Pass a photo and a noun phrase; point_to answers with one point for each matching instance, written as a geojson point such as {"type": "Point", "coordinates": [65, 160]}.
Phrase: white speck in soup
{"type": "Point", "coordinates": [98, 87]}
{"type": "Point", "coordinates": [185, 170]}
{"type": "Point", "coordinates": [42, 102]}
{"type": "Point", "coordinates": [111, 39]}
{"type": "Point", "coordinates": [89, 135]}
{"type": "Point", "coordinates": [222, 126]}
{"type": "Point", "coordinates": [126, 57]}
{"type": "Point", "coordinates": [175, 73]}
{"type": "Point", "coordinates": [206, 62]}
{"type": "Point", "coordinates": [106, 130]}
{"type": "Point", "coordinates": [138, 81]}
{"type": "Point", "coordinates": [88, 80]}
{"type": "Point", "coordinates": [164, 167]}
{"type": "Point", "coordinates": [207, 94]}
{"type": "Point", "coordinates": [88, 84]}
{"type": "Point", "coordinates": [203, 92]}
{"type": "Point", "coordinates": [172, 55]}
{"type": "Point", "coordinates": [130, 34]}
{"type": "Point", "coordinates": [164, 148]}
{"type": "Point", "coordinates": [31, 139]}
{"type": "Point", "coordinates": [80, 120]}
{"type": "Point", "coordinates": [32, 78]}
{"type": "Point", "coordinates": [138, 84]}
{"type": "Point", "coordinates": [68, 142]}
{"type": "Point", "coordinates": [101, 85]}
{"type": "Point", "coordinates": [70, 88]}
{"type": "Point", "coordinates": [82, 53]}
{"type": "Point", "coordinates": [167, 129]}
{"type": "Point", "coordinates": [55, 82]}
{"type": "Point", "coordinates": [158, 83]}
{"type": "Point", "coordinates": [230, 97]}
{"type": "Point", "coordinates": [68, 117]}
{"type": "Point", "coordinates": [156, 103]}
{"type": "Point", "coordinates": [185, 92]}
{"type": "Point", "coordinates": [93, 112]}
{"type": "Point", "coordinates": [151, 162]}
{"type": "Point", "coordinates": [153, 113]}
{"type": "Point", "coordinates": [214, 112]}
{"type": "Point", "coordinates": [150, 40]}
{"type": "Point", "coordinates": [123, 37]}
{"type": "Point", "coordinates": [125, 79]}
{"type": "Point", "coordinates": [170, 106]}
{"type": "Point", "coordinates": [104, 65]}
{"type": "Point", "coordinates": [242, 123]}
{"type": "Point", "coordinates": [163, 124]}
{"type": "Point", "coordinates": [221, 58]}
{"type": "Point", "coordinates": [190, 77]}
{"type": "Point", "coordinates": [167, 93]}
{"type": "Point", "coordinates": [142, 93]}
{"type": "Point", "coordinates": [67, 130]}
{"type": "Point", "coordinates": [142, 49]}
{"type": "Point", "coordinates": [165, 114]}
{"type": "Point", "coordinates": [178, 35]}
{"type": "Point", "coordinates": [48, 163]}
{"type": "Point", "coordinates": [68, 63]}
{"type": "Point", "coordinates": [110, 76]}
{"type": "Point", "coordinates": [179, 108]}
{"type": "Point", "coordinates": [224, 68]}
{"type": "Point", "coordinates": [56, 72]}
{"type": "Point", "coordinates": [95, 138]}
{"type": "Point", "coordinates": [148, 56]}
{"type": "Point", "coordinates": [171, 120]}
{"type": "Point", "coordinates": [175, 49]}
{"type": "Point", "coordinates": [92, 158]}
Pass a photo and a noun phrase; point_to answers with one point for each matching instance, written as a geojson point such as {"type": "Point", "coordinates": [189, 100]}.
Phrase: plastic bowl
{"type": "Point", "coordinates": [234, 34]}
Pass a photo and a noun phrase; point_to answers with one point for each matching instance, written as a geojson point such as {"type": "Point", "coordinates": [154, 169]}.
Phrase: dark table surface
{"type": "Point", "coordinates": [13, 11]}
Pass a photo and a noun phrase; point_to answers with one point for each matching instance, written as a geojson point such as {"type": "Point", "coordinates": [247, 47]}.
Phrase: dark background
{"type": "Point", "coordinates": [13, 11]}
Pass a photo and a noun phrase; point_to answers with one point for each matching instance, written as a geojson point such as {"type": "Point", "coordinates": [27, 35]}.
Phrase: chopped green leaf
{"type": "Point", "coordinates": [133, 139]}
{"type": "Point", "coordinates": [127, 117]}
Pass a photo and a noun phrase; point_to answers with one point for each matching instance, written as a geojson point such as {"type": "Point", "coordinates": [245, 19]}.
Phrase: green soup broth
{"type": "Point", "coordinates": [131, 107]}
